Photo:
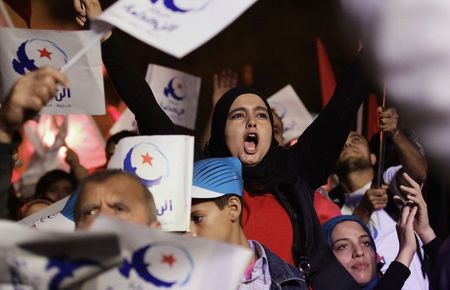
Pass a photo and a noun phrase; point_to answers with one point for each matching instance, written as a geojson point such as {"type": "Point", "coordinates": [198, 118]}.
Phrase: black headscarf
{"type": "Point", "coordinates": [274, 173]}
{"type": "Point", "coordinates": [271, 170]}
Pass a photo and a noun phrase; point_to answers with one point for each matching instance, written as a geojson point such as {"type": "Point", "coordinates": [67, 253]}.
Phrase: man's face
{"type": "Point", "coordinates": [210, 222]}
{"type": "Point", "coordinates": [118, 196]}
{"type": "Point", "coordinates": [352, 247]}
{"type": "Point", "coordinates": [356, 151]}
{"type": "Point", "coordinates": [248, 131]}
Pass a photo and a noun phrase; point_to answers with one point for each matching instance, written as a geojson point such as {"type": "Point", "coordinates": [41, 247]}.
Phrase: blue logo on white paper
{"type": "Point", "coordinates": [33, 54]}
{"type": "Point", "coordinates": [176, 88]}
{"type": "Point", "coordinates": [163, 265]}
{"type": "Point", "coordinates": [148, 163]}
{"type": "Point", "coordinates": [66, 269]}
{"type": "Point", "coordinates": [184, 6]}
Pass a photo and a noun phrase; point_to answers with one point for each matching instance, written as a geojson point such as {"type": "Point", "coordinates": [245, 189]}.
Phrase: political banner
{"type": "Point", "coordinates": [176, 92]}
{"type": "Point", "coordinates": [153, 259]}
{"type": "Point", "coordinates": [164, 164]}
{"type": "Point", "coordinates": [176, 27]}
{"type": "Point", "coordinates": [33, 259]}
{"type": "Point", "coordinates": [292, 112]}
{"type": "Point", "coordinates": [25, 50]}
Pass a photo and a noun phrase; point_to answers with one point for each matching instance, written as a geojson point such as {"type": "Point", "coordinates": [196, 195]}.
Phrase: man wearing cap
{"type": "Point", "coordinates": [216, 214]}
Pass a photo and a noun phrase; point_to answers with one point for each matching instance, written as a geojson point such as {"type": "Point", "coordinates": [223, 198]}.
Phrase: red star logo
{"type": "Point", "coordinates": [147, 159]}
{"type": "Point", "coordinates": [45, 53]}
{"type": "Point", "coordinates": [179, 86]}
{"type": "Point", "coordinates": [168, 259]}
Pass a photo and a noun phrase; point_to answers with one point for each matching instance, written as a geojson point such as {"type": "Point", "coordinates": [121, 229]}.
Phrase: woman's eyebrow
{"type": "Point", "coordinates": [235, 110]}
{"type": "Point", "coordinates": [343, 239]}
{"type": "Point", "coordinates": [261, 108]}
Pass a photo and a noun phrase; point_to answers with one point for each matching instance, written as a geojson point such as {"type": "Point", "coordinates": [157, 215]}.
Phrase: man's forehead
{"type": "Point", "coordinates": [117, 185]}
{"type": "Point", "coordinates": [354, 134]}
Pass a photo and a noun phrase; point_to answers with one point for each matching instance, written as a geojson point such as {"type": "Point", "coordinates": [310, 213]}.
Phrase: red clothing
{"type": "Point", "coordinates": [325, 208]}
{"type": "Point", "coordinates": [265, 220]}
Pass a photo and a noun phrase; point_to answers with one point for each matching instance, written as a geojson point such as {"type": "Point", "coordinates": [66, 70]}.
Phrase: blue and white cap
{"type": "Point", "coordinates": [215, 177]}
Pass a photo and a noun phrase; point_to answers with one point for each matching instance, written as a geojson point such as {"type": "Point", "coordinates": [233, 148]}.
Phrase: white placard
{"type": "Point", "coordinates": [164, 164]}
{"type": "Point", "coordinates": [25, 50]}
{"type": "Point", "coordinates": [293, 113]}
{"type": "Point", "coordinates": [176, 92]}
{"type": "Point", "coordinates": [32, 259]}
{"type": "Point", "coordinates": [153, 259]}
{"type": "Point", "coordinates": [176, 27]}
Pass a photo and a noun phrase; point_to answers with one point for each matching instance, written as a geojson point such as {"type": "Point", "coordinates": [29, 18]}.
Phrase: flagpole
{"type": "Point", "coordinates": [5, 14]}
{"type": "Point", "coordinates": [381, 149]}
{"type": "Point", "coordinates": [99, 29]}
{"type": "Point", "coordinates": [82, 52]}
{"type": "Point", "coordinates": [359, 119]}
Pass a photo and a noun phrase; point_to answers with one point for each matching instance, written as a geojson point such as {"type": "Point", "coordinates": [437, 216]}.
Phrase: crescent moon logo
{"type": "Point", "coordinates": [163, 265]}
{"type": "Point", "coordinates": [184, 6]}
{"type": "Point", "coordinates": [176, 88]}
{"type": "Point", "coordinates": [35, 53]}
{"type": "Point", "coordinates": [147, 162]}
{"type": "Point", "coordinates": [66, 269]}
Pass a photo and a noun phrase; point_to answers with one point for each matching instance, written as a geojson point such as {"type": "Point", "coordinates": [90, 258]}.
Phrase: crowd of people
{"type": "Point", "coordinates": [270, 198]}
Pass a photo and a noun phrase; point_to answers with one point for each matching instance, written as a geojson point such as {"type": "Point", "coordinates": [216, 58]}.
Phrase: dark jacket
{"type": "Point", "coordinates": [283, 275]}
{"type": "Point", "coordinates": [8, 200]}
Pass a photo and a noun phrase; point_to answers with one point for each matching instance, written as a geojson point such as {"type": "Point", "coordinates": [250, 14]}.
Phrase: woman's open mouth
{"type": "Point", "coordinates": [251, 143]}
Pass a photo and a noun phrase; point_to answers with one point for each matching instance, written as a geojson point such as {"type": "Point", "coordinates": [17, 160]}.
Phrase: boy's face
{"type": "Point", "coordinates": [210, 222]}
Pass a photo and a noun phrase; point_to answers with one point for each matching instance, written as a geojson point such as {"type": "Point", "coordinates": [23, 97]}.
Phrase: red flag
{"type": "Point", "coordinates": [2, 21]}
{"type": "Point", "coordinates": [22, 7]}
{"type": "Point", "coordinates": [371, 116]}
{"type": "Point", "coordinates": [4, 17]}
{"type": "Point", "coordinates": [326, 74]}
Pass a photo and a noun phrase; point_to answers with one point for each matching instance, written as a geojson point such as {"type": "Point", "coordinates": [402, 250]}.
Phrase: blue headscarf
{"type": "Point", "coordinates": [328, 228]}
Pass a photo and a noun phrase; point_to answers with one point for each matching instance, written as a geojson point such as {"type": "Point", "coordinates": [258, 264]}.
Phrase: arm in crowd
{"type": "Point", "coordinates": [398, 270]}
{"type": "Point", "coordinates": [412, 160]}
{"type": "Point", "coordinates": [318, 148]}
{"type": "Point", "coordinates": [27, 97]}
{"type": "Point", "coordinates": [76, 168]}
{"type": "Point", "coordinates": [431, 243]}
{"type": "Point", "coordinates": [129, 83]}
{"type": "Point", "coordinates": [374, 199]}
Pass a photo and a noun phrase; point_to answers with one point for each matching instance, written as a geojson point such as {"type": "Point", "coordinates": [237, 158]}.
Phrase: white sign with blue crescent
{"type": "Point", "coordinates": [176, 88]}
{"type": "Point", "coordinates": [147, 162]}
{"type": "Point", "coordinates": [153, 259]}
{"type": "Point", "coordinates": [176, 27]}
{"type": "Point", "coordinates": [293, 113]}
{"type": "Point", "coordinates": [182, 6]}
{"type": "Point", "coordinates": [160, 264]}
{"type": "Point", "coordinates": [177, 93]}
{"type": "Point", "coordinates": [33, 259]}
{"type": "Point", "coordinates": [164, 164]}
{"type": "Point", "coordinates": [36, 53]}
{"type": "Point", "coordinates": [26, 50]}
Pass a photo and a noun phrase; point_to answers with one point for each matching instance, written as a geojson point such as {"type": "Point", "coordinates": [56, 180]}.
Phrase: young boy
{"type": "Point", "coordinates": [216, 214]}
